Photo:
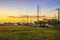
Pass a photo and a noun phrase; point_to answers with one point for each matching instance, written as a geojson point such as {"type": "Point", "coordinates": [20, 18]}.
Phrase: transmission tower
{"type": "Point", "coordinates": [58, 17]}
{"type": "Point", "coordinates": [58, 14]}
{"type": "Point", "coordinates": [37, 13]}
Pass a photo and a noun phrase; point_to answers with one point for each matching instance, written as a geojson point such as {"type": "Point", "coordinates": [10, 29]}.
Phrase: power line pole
{"type": "Point", "coordinates": [54, 16]}
{"type": "Point", "coordinates": [37, 13]}
{"type": "Point", "coordinates": [27, 19]}
{"type": "Point", "coordinates": [58, 16]}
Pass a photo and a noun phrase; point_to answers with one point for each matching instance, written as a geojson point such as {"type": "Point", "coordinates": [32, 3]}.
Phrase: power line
{"type": "Point", "coordinates": [52, 3]}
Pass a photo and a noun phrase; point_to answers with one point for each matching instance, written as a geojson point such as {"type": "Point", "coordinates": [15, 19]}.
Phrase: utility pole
{"type": "Point", "coordinates": [27, 18]}
{"type": "Point", "coordinates": [54, 16]}
{"type": "Point", "coordinates": [37, 13]}
{"type": "Point", "coordinates": [58, 16]}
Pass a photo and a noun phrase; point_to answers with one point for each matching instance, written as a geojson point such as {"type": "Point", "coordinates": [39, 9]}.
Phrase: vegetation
{"type": "Point", "coordinates": [28, 33]}
{"type": "Point", "coordinates": [52, 22]}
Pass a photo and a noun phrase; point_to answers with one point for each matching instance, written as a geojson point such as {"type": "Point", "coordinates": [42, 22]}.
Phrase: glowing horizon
{"type": "Point", "coordinates": [27, 7]}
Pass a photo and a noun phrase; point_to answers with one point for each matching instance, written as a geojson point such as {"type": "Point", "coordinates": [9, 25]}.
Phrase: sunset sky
{"type": "Point", "coordinates": [24, 7]}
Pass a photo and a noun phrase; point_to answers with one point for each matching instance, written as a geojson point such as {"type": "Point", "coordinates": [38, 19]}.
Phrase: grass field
{"type": "Point", "coordinates": [28, 33]}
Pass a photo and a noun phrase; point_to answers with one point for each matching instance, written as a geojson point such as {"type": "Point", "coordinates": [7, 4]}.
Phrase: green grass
{"type": "Point", "coordinates": [28, 33]}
